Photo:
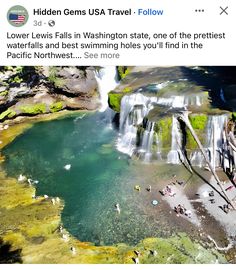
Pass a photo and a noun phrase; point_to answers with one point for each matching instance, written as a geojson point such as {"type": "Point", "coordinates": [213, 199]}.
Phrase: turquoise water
{"type": "Point", "coordinates": [99, 178]}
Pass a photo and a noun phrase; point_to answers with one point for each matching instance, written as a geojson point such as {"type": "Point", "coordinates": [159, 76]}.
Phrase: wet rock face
{"type": "Point", "coordinates": [39, 90]}
{"type": "Point", "coordinates": [78, 82]}
{"type": "Point", "coordinates": [18, 92]}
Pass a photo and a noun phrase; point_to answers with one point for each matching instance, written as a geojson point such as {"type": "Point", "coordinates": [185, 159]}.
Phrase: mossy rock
{"type": "Point", "coordinates": [56, 107]}
{"type": "Point", "coordinates": [114, 98]}
{"type": "Point", "coordinates": [199, 123]}
{"type": "Point", "coordinates": [123, 71]}
{"type": "Point", "coordinates": [16, 79]}
{"type": "Point", "coordinates": [163, 128]}
{"type": "Point", "coordinates": [179, 249]}
{"type": "Point", "coordinates": [4, 93]}
{"type": "Point", "coordinates": [7, 114]}
{"type": "Point", "coordinates": [33, 109]}
{"type": "Point", "coordinates": [233, 116]}
{"type": "Point", "coordinates": [8, 68]}
{"type": "Point", "coordinates": [54, 79]}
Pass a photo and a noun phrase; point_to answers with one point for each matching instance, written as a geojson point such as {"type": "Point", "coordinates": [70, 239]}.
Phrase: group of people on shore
{"type": "Point", "coordinates": [168, 191]}
{"type": "Point", "coordinates": [226, 207]}
{"type": "Point", "coordinates": [180, 209]}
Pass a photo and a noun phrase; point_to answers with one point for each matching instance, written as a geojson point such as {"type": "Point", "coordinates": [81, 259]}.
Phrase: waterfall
{"type": "Point", "coordinates": [107, 80]}
{"type": "Point", "coordinates": [215, 129]}
{"type": "Point", "coordinates": [197, 159]}
{"type": "Point", "coordinates": [176, 142]}
{"type": "Point", "coordinates": [178, 102]}
{"type": "Point", "coordinates": [134, 108]}
{"type": "Point", "coordinates": [174, 101]}
{"type": "Point", "coordinates": [176, 135]}
{"type": "Point", "coordinates": [193, 100]}
{"type": "Point", "coordinates": [159, 146]}
{"type": "Point", "coordinates": [181, 101]}
{"type": "Point", "coordinates": [198, 101]}
{"type": "Point", "coordinates": [147, 141]}
{"type": "Point", "coordinates": [137, 136]}
{"type": "Point", "coordinates": [214, 143]}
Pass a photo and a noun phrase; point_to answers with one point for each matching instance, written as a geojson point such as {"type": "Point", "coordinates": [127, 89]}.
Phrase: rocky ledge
{"type": "Point", "coordinates": [34, 90]}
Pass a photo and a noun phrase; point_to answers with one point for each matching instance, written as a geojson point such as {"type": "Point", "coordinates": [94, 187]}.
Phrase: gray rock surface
{"type": "Point", "coordinates": [51, 87]}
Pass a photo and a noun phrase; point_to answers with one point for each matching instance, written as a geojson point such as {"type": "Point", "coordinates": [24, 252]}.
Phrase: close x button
{"type": "Point", "coordinates": [224, 11]}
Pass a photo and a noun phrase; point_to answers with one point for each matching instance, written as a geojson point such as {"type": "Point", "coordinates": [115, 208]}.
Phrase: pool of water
{"type": "Point", "coordinates": [99, 178]}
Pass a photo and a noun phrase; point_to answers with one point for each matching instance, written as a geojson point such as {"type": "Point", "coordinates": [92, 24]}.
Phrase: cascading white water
{"type": "Point", "coordinates": [214, 143]}
{"type": "Point", "coordinates": [147, 141]}
{"type": "Point", "coordinates": [197, 159]}
{"type": "Point", "coordinates": [193, 100]}
{"type": "Point", "coordinates": [159, 146]}
{"type": "Point", "coordinates": [107, 80]}
{"type": "Point", "coordinates": [137, 104]}
{"type": "Point", "coordinates": [174, 101]}
{"type": "Point", "coordinates": [133, 110]}
{"type": "Point", "coordinates": [165, 101]}
{"type": "Point", "coordinates": [176, 136]}
{"type": "Point", "coordinates": [198, 101]}
{"type": "Point", "coordinates": [180, 101]}
{"type": "Point", "coordinates": [215, 129]}
{"type": "Point", "coordinates": [176, 142]}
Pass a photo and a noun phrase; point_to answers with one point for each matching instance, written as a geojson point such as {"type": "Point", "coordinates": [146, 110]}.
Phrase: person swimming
{"type": "Point", "coordinates": [117, 206]}
{"type": "Point", "coordinates": [137, 187]}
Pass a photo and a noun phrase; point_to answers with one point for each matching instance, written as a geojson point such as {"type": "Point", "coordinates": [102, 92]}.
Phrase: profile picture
{"type": "Point", "coordinates": [17, 16]}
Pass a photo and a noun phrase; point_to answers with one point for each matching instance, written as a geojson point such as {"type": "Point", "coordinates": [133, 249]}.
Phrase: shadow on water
{"type": "Point", "coordinates": [213, 79]}
{"type": "Point", "coordinates": [7, 255]}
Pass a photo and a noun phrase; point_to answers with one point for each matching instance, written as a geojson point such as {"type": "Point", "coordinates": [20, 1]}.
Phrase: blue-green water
{"type": "Point", "coordinates": [99, 178]}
